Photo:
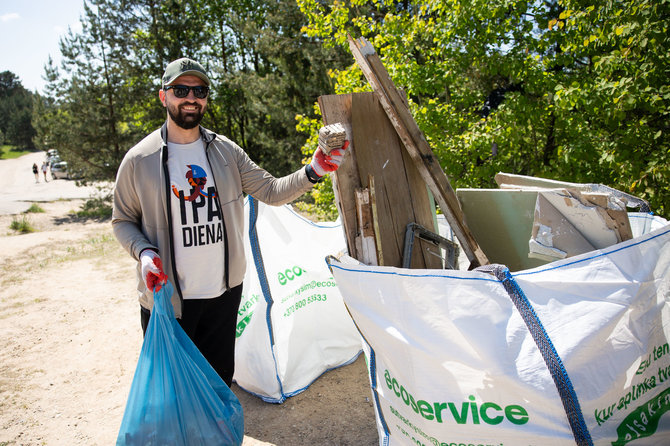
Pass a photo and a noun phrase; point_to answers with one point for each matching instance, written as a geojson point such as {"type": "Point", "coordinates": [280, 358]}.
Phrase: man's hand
{"type": "Point", "coordinates": [322, 163]}
{"type": "Point", "coordinates": [152, 270]}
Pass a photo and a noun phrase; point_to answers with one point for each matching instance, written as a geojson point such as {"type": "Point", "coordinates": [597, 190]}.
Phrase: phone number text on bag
{"type": "Point", "coordinates": [302, 303]}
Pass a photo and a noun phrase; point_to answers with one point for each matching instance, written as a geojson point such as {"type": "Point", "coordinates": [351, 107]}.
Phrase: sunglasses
{"type": "Point", "coordinates": [181, 91]}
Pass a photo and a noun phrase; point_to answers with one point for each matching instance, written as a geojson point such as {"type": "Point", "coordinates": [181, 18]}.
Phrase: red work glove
{"type": "Point", "coordinates": [152, 270]}
{"type": "Point", "coordinates": [322, 163]}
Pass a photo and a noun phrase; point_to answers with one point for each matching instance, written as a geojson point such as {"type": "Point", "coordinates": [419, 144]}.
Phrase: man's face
{"type": "Point", "coordinates": [185, 112]}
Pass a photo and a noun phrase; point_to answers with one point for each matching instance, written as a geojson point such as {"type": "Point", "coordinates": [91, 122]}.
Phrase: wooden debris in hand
{"type": "Point", "coordinates": [332, 137]}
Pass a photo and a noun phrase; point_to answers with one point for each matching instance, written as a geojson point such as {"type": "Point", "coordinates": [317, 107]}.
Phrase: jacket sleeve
{"type": "Point", "coordinates": [127, 212]}
{"type": "Point", "coordinates": [265, 187]}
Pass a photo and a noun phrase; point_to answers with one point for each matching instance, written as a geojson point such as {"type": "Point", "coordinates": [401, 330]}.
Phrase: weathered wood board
{"type": "Point", "coordinates": [376, 152]}
{"type": "Point", "coordinates": [414, 142]}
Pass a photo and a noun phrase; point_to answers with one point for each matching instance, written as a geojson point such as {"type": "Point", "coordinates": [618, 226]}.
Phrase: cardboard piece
{"type": "Point", "coordinates": [568, 223]}
{"type": "Point", "coordinates": [501, 221]}
{"type": "Point", "coordinates": [624, 200]}
{"type": "Point", "coordinates": [525, 227]}
{"type": "Point", "coordinates": [554, 236]}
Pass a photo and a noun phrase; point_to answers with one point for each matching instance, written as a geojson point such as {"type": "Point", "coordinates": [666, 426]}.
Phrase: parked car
{"type": "Point", "coordinates": [59, 170]}
{"type": "Point", "coordinates": [53, 157]}
{"type": "Point", "coordinates": [54, 160]}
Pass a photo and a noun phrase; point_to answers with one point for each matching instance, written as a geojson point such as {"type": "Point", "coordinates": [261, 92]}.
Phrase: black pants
{"type": "Point", "coordinates": [211, 324]}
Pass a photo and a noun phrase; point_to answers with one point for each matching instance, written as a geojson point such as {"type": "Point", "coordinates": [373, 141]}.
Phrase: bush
{"type": "Point", "coordinates": [35, 209]}
{"type": "Point", "coordinates": [98, 207]}
{"type": "Point", "coordinates": [23, 225]}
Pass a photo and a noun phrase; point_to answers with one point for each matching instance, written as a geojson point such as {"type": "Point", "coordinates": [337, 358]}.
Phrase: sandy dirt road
{"type": "Point", "coordinates": [19, 189]}
{"type": "Point", "coordinates": [70, 335]}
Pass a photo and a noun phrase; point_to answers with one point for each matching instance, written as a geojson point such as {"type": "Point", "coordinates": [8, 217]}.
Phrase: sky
{"type": "Point", "coordinates": [29, 34]}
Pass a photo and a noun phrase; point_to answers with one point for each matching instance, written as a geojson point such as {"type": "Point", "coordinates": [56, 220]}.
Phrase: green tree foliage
{"type": "Point", "coordinates": [561, 89]}
{"type": "Point", "coordinates": [284, 73]}
{"type": "Point", "coordinates": [101, 100]}
{"type": "Point", "coordinates": [16, 110]}
{"type": "Point", "coordinates": [619, 100]}
{"type": "Point", "coordinates": [264, 71]}
{"type": "Point", "coordinates": [83, 113]}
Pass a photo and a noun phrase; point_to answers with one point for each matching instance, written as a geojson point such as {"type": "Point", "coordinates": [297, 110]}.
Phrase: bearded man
{"type": "Point", "coordinates": [179, 211]}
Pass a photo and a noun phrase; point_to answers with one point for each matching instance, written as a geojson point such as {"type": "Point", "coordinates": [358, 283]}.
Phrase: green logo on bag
{"type": "Point", "coordinates": [242, 324]}
{"type": "Point", "coordinates": [643, 421]}
{"type": "Point", "coordinates": [289, 274]}
{"type": "Point", "coordinates": [244, 313]}
{"type": "Point", "coordinates": [461, 412]}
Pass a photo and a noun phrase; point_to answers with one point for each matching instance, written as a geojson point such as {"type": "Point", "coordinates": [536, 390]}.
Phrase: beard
{"type": "Point", "coordinates": [186, 120]}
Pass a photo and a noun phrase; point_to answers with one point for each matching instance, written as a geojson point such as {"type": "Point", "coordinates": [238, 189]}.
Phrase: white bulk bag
{"type": "Point", "coordinates": [453, 362]}
{"type": "Point", "coordinates": [292, 323]}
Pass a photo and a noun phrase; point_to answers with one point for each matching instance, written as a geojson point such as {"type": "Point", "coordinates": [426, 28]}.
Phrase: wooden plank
{"type": "Point", "coordinates": [337, 108]}
{"type": "Point", "coordinates": [421, 199]}
{"type": "Point", "coordinates": [416, 145]}
{"type": "Point", "coordinates": [375, 221]}
{"type": "Point", "coordinates": [401, 196]}
{"type": "Point", "coordinates": [366, 248]}
{"type": "Point", "coordinates": [400, 193]}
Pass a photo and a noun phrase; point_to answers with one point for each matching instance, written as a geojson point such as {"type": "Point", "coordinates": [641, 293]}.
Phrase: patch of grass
{"type": "Point", "coordinates": [100, 247]}
{"type": "Point", "coordinates": [34, 208]}
{"type": "Point", "coordinates": [98, 207]}
{"type": "Point", "coordinates": [11, 152]}
{"type": "Point", "coordinates": [22, 225]}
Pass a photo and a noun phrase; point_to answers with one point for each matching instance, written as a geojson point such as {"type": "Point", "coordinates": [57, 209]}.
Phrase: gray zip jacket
{"type": "Point", "coordinates": [142, 216]}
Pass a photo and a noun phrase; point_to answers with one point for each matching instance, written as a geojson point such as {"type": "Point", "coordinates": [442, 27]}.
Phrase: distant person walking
{"type": "Point", "coordinates": [44, 171]}
{"type": "Point", "coordinates": [36, 172]}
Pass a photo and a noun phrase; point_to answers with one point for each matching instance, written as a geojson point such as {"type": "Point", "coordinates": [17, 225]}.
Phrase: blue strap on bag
{"type": "Point", "coordinates": [176, 397]}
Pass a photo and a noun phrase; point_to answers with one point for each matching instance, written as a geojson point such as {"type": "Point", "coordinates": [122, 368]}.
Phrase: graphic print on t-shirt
{"type": "Point", "coordinates": [197, 222]}
{"type": "Point", "coordinates": [199, 213]}
{"type": "Point", "coordinates": [197, 177]}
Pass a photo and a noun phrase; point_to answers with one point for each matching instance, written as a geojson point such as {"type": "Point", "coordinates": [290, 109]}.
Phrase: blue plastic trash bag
{"type": "Point", "coordinates": [176, 397]}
